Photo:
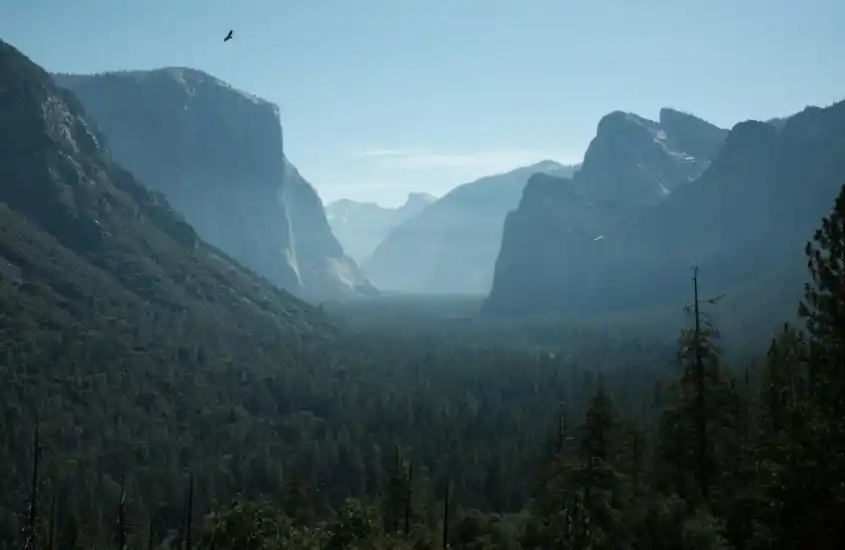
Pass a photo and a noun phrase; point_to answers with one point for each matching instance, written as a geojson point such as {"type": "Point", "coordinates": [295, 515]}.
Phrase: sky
{"type": "Point", "coordinates": [379, 98]}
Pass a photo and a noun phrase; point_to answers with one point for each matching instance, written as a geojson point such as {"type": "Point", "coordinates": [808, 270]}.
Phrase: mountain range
{"type": "Point", "coordinates": [361, 226]}
{"type": "Point", "coordinates": [217, 154]}
{"type": "Point", "coordinates": [92, 259]}
{"type": "Point", "coordinates": [170, 188]}
{"type": "Point", "coordinates": [625, 232]}
{"type": "Point", "coordinates": [156, 391]}
{"type": "Point", "coordinates": [451, 245]}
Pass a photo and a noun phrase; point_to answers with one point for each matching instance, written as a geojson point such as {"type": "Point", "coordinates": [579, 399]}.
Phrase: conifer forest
{"type": "Point", "coordinates": [145, 436]}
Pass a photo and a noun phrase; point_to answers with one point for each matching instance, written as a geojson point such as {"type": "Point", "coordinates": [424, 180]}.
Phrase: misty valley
{"type": "Point", "coordinates": [641, 350]}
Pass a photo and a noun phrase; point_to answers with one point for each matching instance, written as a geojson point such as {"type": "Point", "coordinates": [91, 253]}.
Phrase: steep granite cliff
{"type": "Point", "coordinates": [745, 217]}
{"type": "Point", "coordinates": [569, 222]}
{"type": "Point", "coordinates": [634, 161]}
{"type": "Point", "coordinates": [92, 251]}
{"type": "Point", "coordinates": [217, 154]}
{"type": "Point", "coordinates": [451, 246]}
{"type": "Point", "coordinates": [317, 258]}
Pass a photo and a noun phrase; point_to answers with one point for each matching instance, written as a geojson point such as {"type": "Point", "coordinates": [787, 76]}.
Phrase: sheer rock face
{"type": "Point", "coordinates": [633, 160]}
{"type": "Point", "coordinates": [217, 154]}
{"type": "Point", "coordinates": [317, 257]}
{"type": "Point", "coordinates": [79, 229]}
{"type": "Point", "coordinates": [747, 214]}
{"type": "Point", "coordinates": [554, 224]}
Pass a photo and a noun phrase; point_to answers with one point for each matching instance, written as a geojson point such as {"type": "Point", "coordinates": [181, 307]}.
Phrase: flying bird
{"type": "Point", "coordinates": [228, 37]}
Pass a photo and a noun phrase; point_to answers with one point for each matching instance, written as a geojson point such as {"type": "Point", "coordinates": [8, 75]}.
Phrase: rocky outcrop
{"type": "Point", "coordinates": [634, 161]}
{"type": "Point", "coordinates": [414, 204]}
{"type": "Point", "coordinates": [87, 245]}
{"type": "Point", "coordinates": [361, 226]}
{"type": "Point", "coordinates": [217, 155]}
{"type": "Point", "coordinates": [451, 246]}
{"type": "Point", "coordinates": [317, 258]}
{"type": "Point", "coordinates": [746, 216]}
{"type": "Point", "coordinates": [631, 164]}
{"type": "Point", "coordinates": [554, 223]}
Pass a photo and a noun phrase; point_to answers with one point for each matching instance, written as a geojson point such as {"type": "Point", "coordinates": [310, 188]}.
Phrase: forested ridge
{"type": "Point", "coordinates": [395, 442]}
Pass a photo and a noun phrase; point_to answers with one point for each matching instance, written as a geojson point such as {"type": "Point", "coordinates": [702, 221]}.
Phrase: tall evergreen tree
{"type": "Point", "coordinates": [823, 306]}
{"type": "Point", "coordinates": [605, 490]}
{"type": "Point", "coordinates": [397, 491]}
{"type": "Point", "coordinates": [693, 426]}
{"type": "Point", "coordinates": [823, 309]}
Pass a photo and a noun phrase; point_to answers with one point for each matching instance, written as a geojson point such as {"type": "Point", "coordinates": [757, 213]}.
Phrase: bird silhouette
{"type": "Point", "coordinates": [228, 37]}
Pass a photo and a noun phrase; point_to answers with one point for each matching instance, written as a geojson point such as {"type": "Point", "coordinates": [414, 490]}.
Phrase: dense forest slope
{"type": "Point", "coordinates": [741, 221]}
{"type": "Point", "coordinates": [451, 246]}
{"type": "Point", "coordinates": [100, 278]}
{"type": "Point", "coordinates": [361, 226]}
{"type": "Point", "coordinates": [217, 155]}
{"type": "Point", "coordinates": [80, 230]}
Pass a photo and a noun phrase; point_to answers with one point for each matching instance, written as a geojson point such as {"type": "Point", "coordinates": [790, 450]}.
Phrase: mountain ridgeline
{"type": "Point", "coordinates": [217, 154]}
{"type": "Point", "coordinates": [450, 247]}
{"type": "Point", "coordinates": [361, 226]}
{"type": "Point", "coordinates": [90, 254]}
{"type": "Point", "coordinates": [657, 200]}
{"type": "Point", "coordinates": [634, 161]}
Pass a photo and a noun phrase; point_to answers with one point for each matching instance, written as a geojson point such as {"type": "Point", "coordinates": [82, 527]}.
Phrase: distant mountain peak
{"type": "Point", "coordinates": [667, 117]}
{"type": "Point", "coordinates": [451, 245]}
{"type": "Point", "coordinates": [617, 119]}
{"type": "Point", "coordinates": [668, 113]}
{"type": "Point", "coordinates": [546, 165]}
{"type": "Point", "coordinates": [360, 225]}
{"type": "Point", "coordinates": [418, 198]}
{"type": "Point", "coordinates": [744, 218]}
{"type": "Point", "coordinates": [350, 203]}
{"type": "Point", "coordinates": [633, 159]}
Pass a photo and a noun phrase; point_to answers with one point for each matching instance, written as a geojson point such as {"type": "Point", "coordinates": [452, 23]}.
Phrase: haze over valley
{"type": "Point", "coordinates": [422, 275]}
{"type": "Point", "coordinates": [361, 226]}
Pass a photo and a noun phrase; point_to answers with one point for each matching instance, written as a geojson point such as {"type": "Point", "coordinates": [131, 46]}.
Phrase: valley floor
{"type": "Point", "coordinates": [415, 423]}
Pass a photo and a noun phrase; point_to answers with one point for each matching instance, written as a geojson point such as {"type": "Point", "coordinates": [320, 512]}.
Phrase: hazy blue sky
{"type": "Point", "coordinates": [380, 97]}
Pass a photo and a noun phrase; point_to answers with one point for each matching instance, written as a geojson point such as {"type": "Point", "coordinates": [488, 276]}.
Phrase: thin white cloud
{"type": "Point", "coordinates": [386, 153]}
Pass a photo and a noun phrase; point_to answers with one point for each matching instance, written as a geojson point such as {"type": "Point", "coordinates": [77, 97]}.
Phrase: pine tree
{"type": "Point", "coordinates": [782, 384]}
{"type": "Point", "coordinates": [802, 452]}
{"type": "Point", "coordinates": [600, 425]}
{"type": "Point", "coordinates": [121, 517]}
{"type": "Point", "coordinates": [693, 427]}
{"type": "Point", "coordinates": [602, 485]}
{"type": "Point", "coordinates": [823, 306]}
{"type": "Point", "coordinates": [296, 498]}
{"type": "Point", "coordinates": [31, 534]}
{"type": "Point", "coordinates": [554, 493]}
{"type": "Point", "coordinates": [394, 501]}
{"type": "Point", "coordinates": [580, 504]}
{"type": "Point", "coordinates": [781, 455]}
{"type": "Point", "coordinates": [823, 309]}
